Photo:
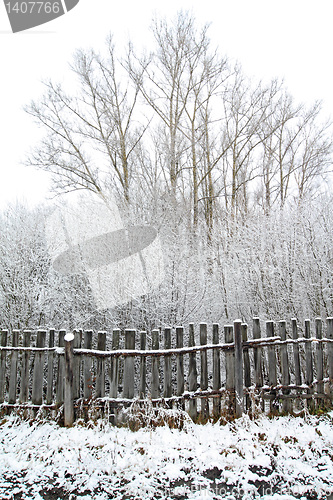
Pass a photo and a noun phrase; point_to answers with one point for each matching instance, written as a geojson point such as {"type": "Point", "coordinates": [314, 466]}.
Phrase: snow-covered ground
{"type": "Point", "coordinates": [280, 458]}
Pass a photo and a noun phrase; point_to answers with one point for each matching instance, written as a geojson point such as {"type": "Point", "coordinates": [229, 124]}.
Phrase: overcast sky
{"type": "Point", "coordinates": [291, 39]}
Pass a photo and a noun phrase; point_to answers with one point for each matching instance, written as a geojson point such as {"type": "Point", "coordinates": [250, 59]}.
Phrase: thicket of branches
{"type": "Point", "coordinates": [233, 173]}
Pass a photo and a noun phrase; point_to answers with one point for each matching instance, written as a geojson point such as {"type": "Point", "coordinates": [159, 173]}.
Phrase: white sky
{"type": "Point", "coordinates": [285, 38]}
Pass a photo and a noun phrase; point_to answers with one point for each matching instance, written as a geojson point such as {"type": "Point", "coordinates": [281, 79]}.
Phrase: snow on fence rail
{"type": "Point", "coordinates": [284, 371]}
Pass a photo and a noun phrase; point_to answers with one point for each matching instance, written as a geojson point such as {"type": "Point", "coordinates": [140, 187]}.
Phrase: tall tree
{"type": "Point", "coordinates": [90, 136]}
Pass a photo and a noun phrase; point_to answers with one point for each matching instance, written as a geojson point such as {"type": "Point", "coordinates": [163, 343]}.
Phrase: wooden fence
{"type": "Point", "coordinates": [287, 369]}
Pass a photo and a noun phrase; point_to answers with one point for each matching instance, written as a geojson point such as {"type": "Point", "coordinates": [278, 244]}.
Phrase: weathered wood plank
{"type": "Point", "coordinates": [272, 373]}
{"type": "Point", "coordinates": [330, 354]}
{"type": "Point", "coordinates": [319, 361]}
{"type": "Point", "coordinates": [77, 365]}
{"type": "Point", "coordinates": [13, 369]}
{"type": "Point", "coordinates": [192, 374]}
{"type": "Point", "coordinates": [143, 365]}
{"type": "Point", "coordinates": [308, 363]}
{"type": "Point", "coordinates": [167, 365]}
{"type": "Point", "coordinates": [61, 370]}
{"type": "Point", "coordinates": [230, 371]}
{"type": "Point", "coordinates": [87, 366]}
{"type": "Point", "coordinates": [239, 387]}
{"type": "Point", "coordinates": [216, 373]}
{"type": "Point", "coordinates": [128, 390]}
{"type": "Point", "coordinates": [285, 373]}
{"type": "Point", "coordinates": [204, 373]}
{"type": "Point", "coordinates": [24, 389]}
{"type": "Point", "coordinates": [38, 374]}
{"type": "Point", "coordinates": [297, 363]}
{"type": "Point", "coordinates": [257, 354]}
{"type": "Point", "coordinates": [247, 366]}
{"type": "Point", "coordinates": [3, 356]}
{"type": "Point", "coordinates": [68, 386]}
{"type": "Point", "coordinates": [50, 369]}
{"type": "Point", "coordinates": [258, 360]}
{"type": "Point", "coordinates": [100, 368]}
{"type": "Point", "coordinates": [155, 376]}
{"type": "Point", "coordinates": [180, 363]}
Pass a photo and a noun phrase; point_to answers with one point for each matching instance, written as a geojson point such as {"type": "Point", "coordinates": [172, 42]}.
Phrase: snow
{"type": "Point", "coordinates": [281, 458]}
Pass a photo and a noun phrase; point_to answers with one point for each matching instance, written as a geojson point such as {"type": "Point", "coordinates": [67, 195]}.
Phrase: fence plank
{"type": "Point", "coordinates": [143, 365]}
{"type": "Point", "coordinates": [167, 365]}
{"type": "Point", "coordinates": [50, 368]}
{"type": "Point", "coordinates": [155, 383]}
{"type": "Point", "coordinates": [3, 356]}
{"type": "Point", "coordinates": [247, 367]}
{"type": "Point", "coordinates": [297, 363]}
{"type": "Point", "coordinates": [37, 383]}
{"type": "Point", "coordinates": [204, 372]}
{"type": "Point", "coordinates": [192, 374]}
{"type": "Point", "coordinates": [230, 371]}
{"type": "Point", "coordinates": [87, 366]}
{"type": "Point", "coordinates": [308, 363]}
{"type": "Point", "coordinates": [239, 387]}
{"type": "Point", "coordinates": [180, 363]}
{"type": "Point", "coordinates": [285, 374]}
{"type": "Point", "coordinates": [128, 390]}
{"type": "Point", "coordinates": [24, 389]}
{"type": "Point", "coordinates": [216, 372]}
{"type": "Point", "coordinates": [68, 388]}
{"type": "Point", "coordinates": [257, 360]}
{"type": "Point", "coordinates": [330, 353]}
{"type": "Point", "coordinates": [77, 365]}
{"type": "Point", "coordinates": [100, 369]}
{"type": "Point", "coordinates": [61, 370]}
{"type": "Point", "coordinates": [272, 374]}
{"type": "Point", "coordinates": [319, 361]}
{"type": "Point", "coordinates": [13, 369]}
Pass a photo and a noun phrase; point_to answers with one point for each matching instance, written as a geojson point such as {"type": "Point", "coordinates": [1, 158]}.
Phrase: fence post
{"type": "Point", "coordinates": [272, 363]}
{"type": "Point", "coordinates": [204, 372]}
{"type": "Point", "coordinates": [239, 389]}
{"type": "Point", "coordinates": [257, 359]}
{"type": "Point", "coordinates": [100, 371]}
{"type": "Point", "coordinates": [13, 369]}
{"type": "Point", "coordinates": [37, 383]}
{"type": "Point", "coordinates": [24, 390]}
{"type": "Point", "coordinates": [330, 353]}
{"type": "Point", "coordinates": [143, 365]}
{"type": "Point", "coordinates": [230, 371]}
{"type": "Point", "coordinates": [309, 365]}
{"type": "Point", "coordinates": [128, 390]}
{"type": "Point", "coordinates": [192, 374]}
{"type": "Point", "coordinates": [216, 373]}
{"type": "Point", "coordinates": [285, 374]}
{"type": "Point", "coordinates": [68, 389]}
{"type": "Point", "coordinates": [180, 363]}
{"type": "Point", "coordinates": [155, 383]}
{"type": "Point", "coordinates": [167, 364]}
{"type": "Point", "coordinates": [50, 358]}
{"type": "Point", "coordinates": [3, 354]}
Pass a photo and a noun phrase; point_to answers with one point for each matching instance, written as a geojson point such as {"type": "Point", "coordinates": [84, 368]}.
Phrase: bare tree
{"type": "Point", "coordinates": [91, 136]}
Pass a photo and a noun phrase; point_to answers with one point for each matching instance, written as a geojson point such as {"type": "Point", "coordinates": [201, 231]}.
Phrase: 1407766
{"type": "Point", "coordinates": [33, 7]}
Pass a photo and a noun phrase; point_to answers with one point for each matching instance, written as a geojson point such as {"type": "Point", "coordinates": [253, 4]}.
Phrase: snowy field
{"type": "Point", "coordinates": [281, 458]}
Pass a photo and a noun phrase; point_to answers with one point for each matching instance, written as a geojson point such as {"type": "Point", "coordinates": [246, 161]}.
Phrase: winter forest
{"type": "Point", "coordinates": [233, 172]}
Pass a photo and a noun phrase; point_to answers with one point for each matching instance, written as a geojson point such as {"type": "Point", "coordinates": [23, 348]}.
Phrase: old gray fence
{"type": "Point", "coordinates": [287, 369]}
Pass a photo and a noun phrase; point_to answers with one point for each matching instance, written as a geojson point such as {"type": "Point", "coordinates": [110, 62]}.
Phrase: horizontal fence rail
{"type": "Point", "coordinates": [286, 369]}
